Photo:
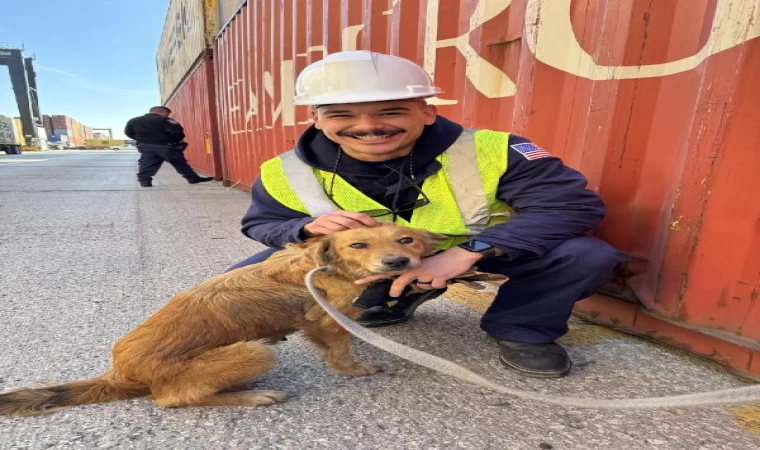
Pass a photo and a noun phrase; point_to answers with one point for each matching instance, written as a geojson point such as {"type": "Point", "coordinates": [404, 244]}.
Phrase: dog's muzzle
{"type": "Point", "coordinates": [395, 262]}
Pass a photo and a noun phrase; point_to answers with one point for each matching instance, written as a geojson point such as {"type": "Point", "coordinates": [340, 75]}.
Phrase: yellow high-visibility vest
{"type": "Point", "coordinates": [462, 193]}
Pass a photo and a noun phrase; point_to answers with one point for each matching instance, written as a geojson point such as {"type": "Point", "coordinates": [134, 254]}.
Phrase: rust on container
{"type": "Point", "coordinates": [192, 106]}
{"type": "Point", "coordinates": [737, 355]}
{"type": "Point", "coordinates": [655, 102]}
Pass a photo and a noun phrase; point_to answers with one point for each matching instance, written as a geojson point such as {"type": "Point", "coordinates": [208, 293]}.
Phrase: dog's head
{"type": "Point", "coordinates": [386, 249]}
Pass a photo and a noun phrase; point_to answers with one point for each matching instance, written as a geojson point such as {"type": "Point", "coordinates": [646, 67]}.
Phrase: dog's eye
{"type": "Point", "coordinates": [406, 240]}
{"type": "Point", "coordinates": [358, 245]}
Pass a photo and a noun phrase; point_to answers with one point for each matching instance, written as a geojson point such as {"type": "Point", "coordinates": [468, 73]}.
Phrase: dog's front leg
{"type": "Point", "coordinates": [334, 344]}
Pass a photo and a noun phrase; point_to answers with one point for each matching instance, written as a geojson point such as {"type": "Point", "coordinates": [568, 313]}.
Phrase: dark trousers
{"type": "Point", "coordinates": [153, 155]}
{"type": "Point", "coordinates": [535, 304]}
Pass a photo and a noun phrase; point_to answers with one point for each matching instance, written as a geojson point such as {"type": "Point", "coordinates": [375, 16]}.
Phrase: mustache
{"type": "Point", "coordinates": [376, 132]}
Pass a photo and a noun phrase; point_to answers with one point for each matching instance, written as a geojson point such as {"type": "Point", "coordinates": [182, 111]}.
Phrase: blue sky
{"type": "Point", "coordinates": [95, 58]}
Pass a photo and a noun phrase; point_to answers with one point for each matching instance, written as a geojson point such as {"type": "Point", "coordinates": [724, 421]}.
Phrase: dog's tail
{"type": "Point", "coordinates": [105, 388]}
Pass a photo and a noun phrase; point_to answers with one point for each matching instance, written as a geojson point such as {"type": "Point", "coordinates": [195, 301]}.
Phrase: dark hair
{"type": "Point", "coordinates": [160, 109]}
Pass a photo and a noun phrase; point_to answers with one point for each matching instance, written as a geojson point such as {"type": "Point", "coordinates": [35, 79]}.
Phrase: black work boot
{"type": "Point", "coordinates": [534, 360]}
{"type": "Point", "coordinates": [146, 183]}
{"type": "Point", "coordinates": [403, 310]}
{"type": "Point", "coordinates": [200, 180]}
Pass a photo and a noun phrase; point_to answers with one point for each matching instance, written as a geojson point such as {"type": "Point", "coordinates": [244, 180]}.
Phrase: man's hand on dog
{"type": "Point", "coordinates": [434, 272]}
{"type": "Point", "coordinates": [338, 221]}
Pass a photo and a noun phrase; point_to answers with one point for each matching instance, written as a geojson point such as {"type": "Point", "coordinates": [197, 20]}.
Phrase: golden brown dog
{"type": "Point", "coordinates": [205, 343]}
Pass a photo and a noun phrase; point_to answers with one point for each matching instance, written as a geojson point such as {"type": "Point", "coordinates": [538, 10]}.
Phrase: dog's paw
{"type": "Point", "coordinates": [262, 398]}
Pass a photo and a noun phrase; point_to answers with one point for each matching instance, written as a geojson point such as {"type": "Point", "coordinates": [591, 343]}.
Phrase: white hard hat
{"type": "Point", "coordinates": [362, 76]}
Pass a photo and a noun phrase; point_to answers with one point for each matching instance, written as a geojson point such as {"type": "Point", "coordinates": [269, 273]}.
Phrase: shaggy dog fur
{"type": "Point", "coordinates": [203, 345]}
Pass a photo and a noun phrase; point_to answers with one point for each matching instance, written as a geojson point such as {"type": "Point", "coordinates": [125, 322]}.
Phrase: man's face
{"type": "Point", "coordinates": [376, 131]}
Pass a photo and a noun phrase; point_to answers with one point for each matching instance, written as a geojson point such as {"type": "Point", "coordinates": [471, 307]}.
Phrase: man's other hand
{"type": "Point", "coordinates": [433, 273]}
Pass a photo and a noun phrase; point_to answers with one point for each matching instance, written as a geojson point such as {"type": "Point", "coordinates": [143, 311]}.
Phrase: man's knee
{"type": "Point", "coordinates": [589, 254]}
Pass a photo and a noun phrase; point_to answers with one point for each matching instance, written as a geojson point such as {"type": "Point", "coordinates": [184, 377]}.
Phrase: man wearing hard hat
{"type": "Point", "coordinates": [377, 152]}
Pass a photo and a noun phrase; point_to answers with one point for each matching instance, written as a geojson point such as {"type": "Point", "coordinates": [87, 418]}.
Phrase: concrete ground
{"type": "Point", "coordinates": [87, 255]}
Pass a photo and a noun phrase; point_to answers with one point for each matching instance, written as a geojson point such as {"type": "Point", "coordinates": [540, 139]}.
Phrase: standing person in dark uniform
{"type": "Point", "coordinates": [159, 139]}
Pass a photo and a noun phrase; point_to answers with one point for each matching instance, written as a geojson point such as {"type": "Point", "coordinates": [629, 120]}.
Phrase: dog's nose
{"type": "Point", "coordinates": [395, 262]}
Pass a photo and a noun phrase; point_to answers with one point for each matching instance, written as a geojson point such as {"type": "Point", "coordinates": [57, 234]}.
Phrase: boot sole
{"type": "Point", "coordinates": [384, 323]}
{"type": "Point", "coordinates": [535, 373]}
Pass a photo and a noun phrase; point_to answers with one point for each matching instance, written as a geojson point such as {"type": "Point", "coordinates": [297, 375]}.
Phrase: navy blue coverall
{"type": "Point", "coordinates": [550, 260]}
{"type": "Point", "coordinates": [157, 141]}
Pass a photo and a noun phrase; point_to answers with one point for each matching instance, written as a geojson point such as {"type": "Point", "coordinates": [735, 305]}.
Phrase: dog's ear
{"type": "Point", "coordinates": [432, 241]}
{"type": "Point", "coordinates": [326, 253]}
{"type": "Point", "coordinates": [319, 250]}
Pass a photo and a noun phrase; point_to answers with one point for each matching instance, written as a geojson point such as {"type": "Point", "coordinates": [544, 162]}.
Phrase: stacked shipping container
{"type": "Point", "coordinates": [76, 133]}
{"type": "Point", "coordinates": [655, 102]}
{"type": "Point", "coordinates": [47, 122]}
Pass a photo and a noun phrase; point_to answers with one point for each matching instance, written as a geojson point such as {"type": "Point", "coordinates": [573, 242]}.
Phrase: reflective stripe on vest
{"type": "Point", "coordinates": [466, 183]}
{"type": "Point", "coordinates": [306, 186]}
{"type": "Point", "coordinates": [465, 187]}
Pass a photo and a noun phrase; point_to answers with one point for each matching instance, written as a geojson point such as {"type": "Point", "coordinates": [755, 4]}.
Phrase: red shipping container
{"type": "Point", "coordinates": [192, 106]}
{"type": "Point", "coordinates": [655, 102]}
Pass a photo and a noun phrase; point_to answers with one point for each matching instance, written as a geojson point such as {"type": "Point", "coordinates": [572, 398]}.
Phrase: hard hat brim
{"type": "Point", "coordinates": [352, 97]}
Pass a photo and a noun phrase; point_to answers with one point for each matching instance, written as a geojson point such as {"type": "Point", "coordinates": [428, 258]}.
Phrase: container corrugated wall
{"type": "Point", "coordinates": [192, 106]}
{"type": "Point", "coordinates": [247, 59]}
{"type": "Point", "coordinates": [655, 102]}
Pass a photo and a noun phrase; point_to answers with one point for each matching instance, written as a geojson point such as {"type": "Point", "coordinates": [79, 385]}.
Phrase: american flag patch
{"type": "Point", "coordinates": [530, 151]}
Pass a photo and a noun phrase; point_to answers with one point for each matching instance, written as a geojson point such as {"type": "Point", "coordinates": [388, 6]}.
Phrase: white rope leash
{"type": "Point", "coordinates": [735, 396]}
